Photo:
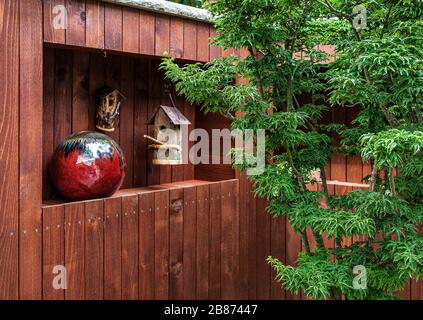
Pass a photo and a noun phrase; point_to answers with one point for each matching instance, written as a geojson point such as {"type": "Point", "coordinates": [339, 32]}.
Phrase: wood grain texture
{"type": "Point", "coordinates": [140, 121]}
{"type": "Point", "coordinates": [51, 34]}
{"type": "Point", "coordinates": [146, 246]}
{"type": "Point", "coordinates": [75, 32]}
{"type": "Point", "coordinates": [190, 35]}
{"type": "Point", "coordinates": [162, 35]}
{"type": "Point", "coordinates": [229, 240]}
{"type": "Point", "coordinates": [161, 245]}
{"type": "Point", "coordinates": [74, 224]}
{"type": "Point", "coordinates": [215, 239]}
{"type": "Point", "coordinates": [94, 250]}
{"type": "Point", "coordinates": [94, 24]}
{"type": "Point", "coordinates": [214, 51]}
{"type": "Point", "coordinates": [130, 241]}
{"type": "Point", "coordinates": [176, 37]}
{"type": "Point", "coordinates": [9, 157]}
{"type": "Point", "coordinates": [112, 249]}
{"type": "Point", "coordinates": [53, 250]}
{"type": "Point", "coordinates": [202, 241]}
{"type": "Point", "coordinates": [63, 96]}
{"type": "Point", "coordinates": [147, 33]}
{"type": "Point", "coordinates": [263, 250]}
{"type": "Point", "coordinates": [127, 119]}
{"type": "Point", "coordinates": [190, 235]}
{"type": "Point", "coordinates": [176, 244]}
{"type": "Point", "coordinates": [30, 143]}
{"type": "Point", "coordinates": [113, 27]}
{"type": "Point", "coordinates": [130, 30]}
{"type": "Point", "coordinates": [203, 34]}
{"type": "Point", "coordinates": [80, 91]}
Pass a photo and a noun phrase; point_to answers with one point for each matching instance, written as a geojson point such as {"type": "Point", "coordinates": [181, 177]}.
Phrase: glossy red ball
{"type": "Point", "coordinates": [87, 165]}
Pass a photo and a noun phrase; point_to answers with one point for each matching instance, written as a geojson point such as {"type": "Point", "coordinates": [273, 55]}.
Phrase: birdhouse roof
{"type": "Point", "coordinates": [173, 114]}
{"type": "Point", "coordinates": [106, 91]}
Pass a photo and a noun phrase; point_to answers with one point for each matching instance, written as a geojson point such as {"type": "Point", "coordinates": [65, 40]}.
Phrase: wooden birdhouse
{"type": "Point", "coordinates": [168, 124]}
{"type": "Point", "coordinates": [108, 109]}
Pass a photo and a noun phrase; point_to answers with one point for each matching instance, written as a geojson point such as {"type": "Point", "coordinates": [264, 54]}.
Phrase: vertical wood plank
{"type": "Point", "coordinates": [130, 29]}
{"type": "Point", "coordinates": [176, 245]}
{"type": "Point", "coordinates": [9, 144]}
{"type": "Point", "coordinates": [30, 137]}
{"type": "Point", "coordinates": [162, 34]}
{"type": "Point", "coordinates": [53, 250]}
{"type": "Point", "coordinates": [114, 80]}
{"type": "Point", "coordinates": [112, 249]}
{"type": "Point", "coordinates": [230, 240]}
{"type": "Point", "coordinates": [63, 96]}
{"type": "Point", "coordinates": [161, 245]}
{"type": "Point", "coordinates": [416, 290]}
{"type": "Point", "coordinates": [97, 79]}
{"type": "Point", "coordinates": [176, 37]}
{"type": "Point", "coordinates": [146, 246]}
{"type": "Point", "coordinates": [215, 51]}
{"type": "Point", "coordinates": [140, 122]}
{"type": "Point", "coordinates": [94, 24]}
{"type": "Point", "coordinates": [147, 33]}
{"type": "Point", "coordinates": [75, 250]}
{"type": "Point", "coordinates": [190, 235]}
{"type": "Point", "coordinates": [127, 119]}
{"type": "Point", "coordinates": [190, 37]}
{"type": "Point", "coordinates": [51, 34]}
{"type": "Point", "coordinates": [203, 34]}
{"type": "Point", "coordinates": [113, 27]}
{"type": "Point", "coordinates": [244, 203]}
{"type": "Point", "coordinates": [48, 119]}
{"type": "Point", "coordinates": [154, 101]}
{"type": "Point", "coordinates": [215, 239]}
{"type": "Point", "coordinates": [202, 243]}
{"type": "Point", "coordinates": [75, 32]}
{"type": "Point", "coordinates": [94, 250]}
{"type": "Point", "coordinates": [80, 89]}
{"type": "Point", "coordinates": [189, 112]}
{"type": "Point", "coordinates": [252, 242]}
{"type": "Point", "coordinates": [263, 250]}
{"type": "Point", "coordinates": [130, 230]}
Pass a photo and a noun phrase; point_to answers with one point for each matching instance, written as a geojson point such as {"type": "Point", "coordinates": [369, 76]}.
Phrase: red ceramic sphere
{"type": "Point", "coordinates": [87, 165]}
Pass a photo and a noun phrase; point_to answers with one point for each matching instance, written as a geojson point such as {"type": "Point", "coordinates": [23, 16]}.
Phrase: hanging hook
{"type": "Point", "coordinates": [168, 91]}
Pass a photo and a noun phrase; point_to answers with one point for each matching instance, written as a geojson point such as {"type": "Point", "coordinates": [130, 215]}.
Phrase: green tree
{"type": "Point", "coordinates": [378, 69]}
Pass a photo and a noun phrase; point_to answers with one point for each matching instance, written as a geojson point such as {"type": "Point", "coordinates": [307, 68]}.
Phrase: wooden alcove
{"type": "Point", "coordinates": [172, 232]}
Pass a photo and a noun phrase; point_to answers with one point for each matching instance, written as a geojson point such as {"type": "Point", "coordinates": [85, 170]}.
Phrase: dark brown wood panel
{"type": "Point", "coordinates": [147, 33]}
{"type": "Point", "coordinates": [53, 252]}
{"type": "Point", "coordinates": [203, 241]}
{"type": "Point", "coordinates": [30, 144]}
{"type": "Point", "coordinates": [130, 234]}
{"type": "Point", "coordinates": [215, 239]}
{"type": "Point", "coordinates": [176, 244]}
{"type": "Point", "coordinates": [130, 30]}
{"type": "Point", "coordinates": [162, 34]}
{"type": "Point", "coordinates": [161, 245]}
{"type": "Point", "coordinates": [94, 24]}
{"type": "Point", "coordinates": [146, 246]}
{"type": "Point", "coordinates": [94, 249]}
{"type": "Point", "coordinates": [112, 249]}
{"type": "Point", "coordinates": [113, 27]}
{"type": "Point", "coordinates": [9, 144]}
{"type": "Point", "coordinates": [176, 37]}
{"type": "Point", "coordinates": [52, 12]}
{"type": "Point", "coordinates": [190, 234]}
{"type": "Point", "coordinates": [229, 240]}
{"type": "Point", "coordinates": [74, 223]}
{"type": "Point", "coordinates": [263, 249]}
{"type": "Point", "coordinates": [75, 32]}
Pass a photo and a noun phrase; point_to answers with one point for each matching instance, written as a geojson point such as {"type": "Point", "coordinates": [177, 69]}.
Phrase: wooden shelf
{"type": "Point", "coordinates": [138, 191]}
